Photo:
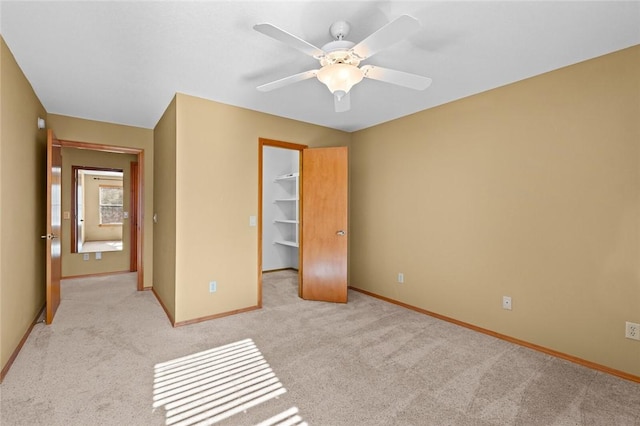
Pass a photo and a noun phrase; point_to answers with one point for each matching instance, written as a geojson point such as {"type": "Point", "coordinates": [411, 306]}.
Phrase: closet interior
{"type": "Point", "coordinates": [280, 208]}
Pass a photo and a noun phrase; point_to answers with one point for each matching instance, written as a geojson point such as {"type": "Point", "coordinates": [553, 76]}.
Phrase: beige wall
{"type": "Point", "coordinates": [22, 208]}
{"type": "Point", "coordinates": [114, 261]}
{"type": "Point", "coordinates": [164, 205]}
{"type": "Point", "coordinates": [531, 190]}
{"type": "Point", "coordinates": [96, 132]}
{"type": "Point", "coordinates": [216, 192]}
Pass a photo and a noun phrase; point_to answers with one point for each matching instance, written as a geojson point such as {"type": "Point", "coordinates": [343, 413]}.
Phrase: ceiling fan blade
{"type": "Point", "coordinates": [401, 78]}
{"type": "Point", "coordinates": [386, 36]}
{"type": "Point", "coordinates": [289, 39]}
{"type": "Point", "coordinates": [342, 104]}
{"type": "Point", "coordinates": [267, 87]}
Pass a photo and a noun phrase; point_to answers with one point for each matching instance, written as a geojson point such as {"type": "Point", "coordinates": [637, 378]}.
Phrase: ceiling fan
{"type": "Point", "coordinates": [340, 58]}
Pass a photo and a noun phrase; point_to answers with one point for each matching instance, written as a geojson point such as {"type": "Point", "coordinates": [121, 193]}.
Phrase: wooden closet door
{"type": "Point", "coordinates": [323, 258]}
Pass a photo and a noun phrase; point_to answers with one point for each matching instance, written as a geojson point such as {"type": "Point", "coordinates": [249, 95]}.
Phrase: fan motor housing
{"type": "Point", "coordinates": [339, 52]}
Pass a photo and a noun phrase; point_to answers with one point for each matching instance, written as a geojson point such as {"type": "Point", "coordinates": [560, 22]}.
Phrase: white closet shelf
{"type": "Point", "coordinates": [289, 176]}
{"type": "Point", "coordinates": [289, 219]}
{"type": "Point", "coordinates": [286, 243]}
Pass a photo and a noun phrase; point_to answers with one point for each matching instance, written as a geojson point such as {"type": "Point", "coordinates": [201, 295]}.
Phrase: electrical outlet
{"type": "Point", "coordinates": [85, 256]}
{"type": "Point", "coordinates": [400, 277]}
{"type": "Point", "coordinates": [506, 302]}
{"type": "Point", "coordinates": [632, 330]}
{"type": "Point", "coordinates": [213, 286]}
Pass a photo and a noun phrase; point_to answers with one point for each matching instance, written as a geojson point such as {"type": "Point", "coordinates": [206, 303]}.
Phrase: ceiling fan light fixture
{"type": "Point", "coordinates": [340, 77]}
{"type": "Point", "coordinates": [340, 59]}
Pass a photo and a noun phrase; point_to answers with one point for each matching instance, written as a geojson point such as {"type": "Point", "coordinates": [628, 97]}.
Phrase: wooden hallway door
{"type": "Point", "coordinates": [54, 221]}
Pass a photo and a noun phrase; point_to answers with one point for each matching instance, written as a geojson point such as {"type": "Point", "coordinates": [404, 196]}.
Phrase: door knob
{"type": "Point", "coordinates": [48, 236]}
{"type": "Point", "coordinates": [340, 233]}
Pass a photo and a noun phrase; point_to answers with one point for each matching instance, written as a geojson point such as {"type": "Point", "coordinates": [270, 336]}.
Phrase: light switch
{"type": "Point", "coordinates": [125, 215]}
{"type": "Point", "coordinates": [253, 221]}
{"type": "Point", "coordinates": [66, 215]}
{"type": "Point", "coordinates": [98, 255]}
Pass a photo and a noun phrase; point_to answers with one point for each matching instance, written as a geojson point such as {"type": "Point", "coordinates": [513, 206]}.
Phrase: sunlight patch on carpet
{"type": "Point", "coordinates": [207, 387]}
{"type": "Point", "coordinates": [289, 417]}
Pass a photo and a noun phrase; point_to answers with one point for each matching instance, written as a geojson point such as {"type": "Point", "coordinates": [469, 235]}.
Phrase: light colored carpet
{"type": "Point", "coordinates": [364, 363]}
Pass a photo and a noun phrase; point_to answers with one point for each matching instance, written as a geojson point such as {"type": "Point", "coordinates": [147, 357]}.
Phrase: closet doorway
{"type": "Point", "coordinates": [279, 207]}
{"type": "Point", "coordinates": [303, 212]}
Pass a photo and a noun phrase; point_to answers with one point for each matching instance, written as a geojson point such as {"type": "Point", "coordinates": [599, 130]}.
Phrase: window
{"type": "Point", "coordinates": [111, 207]}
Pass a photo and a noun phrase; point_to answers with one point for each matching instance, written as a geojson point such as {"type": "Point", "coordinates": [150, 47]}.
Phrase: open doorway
{"type": "Point", "coordinates": [279, 207]}
{"type": "Point", "coordinates": [133, 192]}
{"type": "Point", "coordinates": [97, 209]}
{"type": "Point", "coordinates": [316, 225]}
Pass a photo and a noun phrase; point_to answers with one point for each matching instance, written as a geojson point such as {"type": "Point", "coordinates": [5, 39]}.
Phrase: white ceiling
{"type": "Point", "coordinates": [122, 62]}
